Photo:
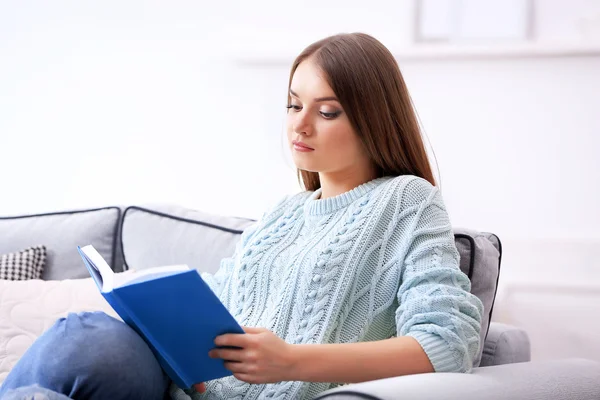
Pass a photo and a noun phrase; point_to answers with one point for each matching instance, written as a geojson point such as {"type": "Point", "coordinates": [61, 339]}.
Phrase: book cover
{"type": "Point", "coordinates": [174, 311]}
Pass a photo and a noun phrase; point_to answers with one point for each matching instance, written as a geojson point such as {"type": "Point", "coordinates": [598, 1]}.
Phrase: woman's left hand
{"type": "Point", "coordinates": [262, 358]}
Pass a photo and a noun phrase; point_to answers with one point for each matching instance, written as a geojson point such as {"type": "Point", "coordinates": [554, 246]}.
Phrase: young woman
{"type": "Point", "coordinates": [354, 279]}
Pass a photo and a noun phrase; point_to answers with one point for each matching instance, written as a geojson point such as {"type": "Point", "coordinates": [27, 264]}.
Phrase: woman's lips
{"type": "Point", "coordinates": [299, 146]}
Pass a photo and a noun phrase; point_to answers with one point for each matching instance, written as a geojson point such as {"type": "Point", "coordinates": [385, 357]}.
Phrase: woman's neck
{"type": "Point", "coordinates": [336, 183]}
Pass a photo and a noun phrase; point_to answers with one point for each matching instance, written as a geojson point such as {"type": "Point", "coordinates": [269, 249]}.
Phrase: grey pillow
{"type": "Point", "coordinates": [61, 233]}
{"type": "Point", "coordinates": [480, 257]}
{"type": "Point", "coordinates": [159, 235]}
{"type": "Point", "coordinates": [23, 265]}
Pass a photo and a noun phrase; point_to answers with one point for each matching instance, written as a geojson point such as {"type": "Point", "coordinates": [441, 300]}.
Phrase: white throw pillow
{"type": "Point", "coordinates": [28, 308]}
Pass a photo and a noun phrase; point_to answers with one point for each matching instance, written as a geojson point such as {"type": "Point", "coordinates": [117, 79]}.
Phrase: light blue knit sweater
{"type": "Point", "coordinates": [372, 263]}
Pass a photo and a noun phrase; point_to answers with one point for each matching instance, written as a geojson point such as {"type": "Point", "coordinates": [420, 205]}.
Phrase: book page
{"type": "Point", "coordinates": [97, 262]}
{"type": "Point", "coordinates": [134, 277]}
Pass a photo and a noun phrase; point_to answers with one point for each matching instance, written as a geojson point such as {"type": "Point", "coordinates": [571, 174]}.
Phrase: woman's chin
{"type": "Point", "coordinates": [304, 165]}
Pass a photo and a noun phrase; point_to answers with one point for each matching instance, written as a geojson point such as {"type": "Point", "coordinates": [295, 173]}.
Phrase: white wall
{"type": "Point", "coordinates": [119, 103]}
{"type": "Point", "coordinates": [134, 102]}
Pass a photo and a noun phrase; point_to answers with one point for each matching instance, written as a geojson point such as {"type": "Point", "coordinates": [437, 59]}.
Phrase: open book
{"type": "Point", "coordinates": [174, 310]}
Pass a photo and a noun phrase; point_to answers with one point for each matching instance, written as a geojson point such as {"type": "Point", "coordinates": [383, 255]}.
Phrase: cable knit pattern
{"type": "Point", "coordinates": [372, 263]}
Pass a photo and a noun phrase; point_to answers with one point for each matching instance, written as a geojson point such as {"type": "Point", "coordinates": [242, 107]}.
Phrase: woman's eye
{"type": "Point", "coordinates": [330, 115]}
{"type": "Point", "coordinates": [293, 107]}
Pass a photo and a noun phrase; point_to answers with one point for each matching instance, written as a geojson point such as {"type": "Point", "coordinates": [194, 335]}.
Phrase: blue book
{"type": "Point", "coordinates": [173, 310]}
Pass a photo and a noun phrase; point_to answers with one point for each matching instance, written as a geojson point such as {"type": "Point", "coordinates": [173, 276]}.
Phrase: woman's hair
{"type": "Point", "coordinates": [367, 81]}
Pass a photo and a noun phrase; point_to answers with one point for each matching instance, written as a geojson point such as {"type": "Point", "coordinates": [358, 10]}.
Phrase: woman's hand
{"type": "Point", "coordinates": [262, 358]}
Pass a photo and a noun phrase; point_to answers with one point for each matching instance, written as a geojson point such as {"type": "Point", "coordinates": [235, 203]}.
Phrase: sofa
{"type": "Point", "coordinates": [138, 237]}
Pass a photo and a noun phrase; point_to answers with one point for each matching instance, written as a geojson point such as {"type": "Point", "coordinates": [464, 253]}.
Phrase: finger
{"type": "Point", "coordinates": [200, 387]}
{"type": "Point", "coordinates": [227, 354]}
{"type": "Point", "coordinates": [246, 377]}
{"type": "Point", "coordinates": [231, 339]}
{"type": "Point", "coordinates": [250, 329]}
{"type": "Point", "coordinates": [236, 367]}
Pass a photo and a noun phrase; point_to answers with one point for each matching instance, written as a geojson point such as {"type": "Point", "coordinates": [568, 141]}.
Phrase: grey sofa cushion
{"type": "Point", "coordinates": [61, 233]}
{"type": "Point", "coordinates": [480, 257]}
{"type": "Point", "coordinates": [505, 344]}
{"type": "Point", "coordinates": [160, 235]}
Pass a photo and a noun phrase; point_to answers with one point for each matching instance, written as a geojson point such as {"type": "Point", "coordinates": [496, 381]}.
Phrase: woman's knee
{"type": "Point", "coordinates": [91, 354]}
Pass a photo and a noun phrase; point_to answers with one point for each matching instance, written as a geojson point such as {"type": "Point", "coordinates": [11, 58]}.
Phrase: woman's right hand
{"type": "Point", "coordinates": [200, 387]}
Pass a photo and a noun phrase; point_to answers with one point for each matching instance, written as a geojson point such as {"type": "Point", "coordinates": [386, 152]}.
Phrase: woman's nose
{"type": "Point", "coordinates": [302, 123]}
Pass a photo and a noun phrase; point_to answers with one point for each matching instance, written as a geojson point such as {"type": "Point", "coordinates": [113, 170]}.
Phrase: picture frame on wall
{"type": "Point", "coordinates": [472, 21]}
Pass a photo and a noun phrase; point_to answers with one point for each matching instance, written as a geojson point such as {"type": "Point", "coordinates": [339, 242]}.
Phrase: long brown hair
{"type": "Point", "coordinates": [367, 81]}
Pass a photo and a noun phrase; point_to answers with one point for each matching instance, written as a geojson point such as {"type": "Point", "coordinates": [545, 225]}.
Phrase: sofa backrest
{"type": "Point", "coordinates": [61, 233]}
{"type": "Point", "coordinates": [157, 235]}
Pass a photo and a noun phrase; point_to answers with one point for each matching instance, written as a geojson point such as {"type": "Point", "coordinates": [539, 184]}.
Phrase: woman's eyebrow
{"type": "Point", "coordinates": [328, 98]}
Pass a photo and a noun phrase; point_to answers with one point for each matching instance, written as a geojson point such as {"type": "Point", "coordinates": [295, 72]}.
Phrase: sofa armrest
{"type": "Point", "coordinates": [505, 344]}
{"type": "Point", "coordinates": [572, 379]}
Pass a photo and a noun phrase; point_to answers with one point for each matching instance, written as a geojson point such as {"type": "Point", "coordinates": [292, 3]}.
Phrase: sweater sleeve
{"type": "Point", "coordinates": [435, 304]}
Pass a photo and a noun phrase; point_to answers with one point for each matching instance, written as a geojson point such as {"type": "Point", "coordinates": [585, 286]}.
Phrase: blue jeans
{"type": "Point", "coordinates": [87, 356]}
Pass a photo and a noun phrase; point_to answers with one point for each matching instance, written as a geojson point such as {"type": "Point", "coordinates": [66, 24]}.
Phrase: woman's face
{"type": "Point", "coordinates": [319, 133]}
